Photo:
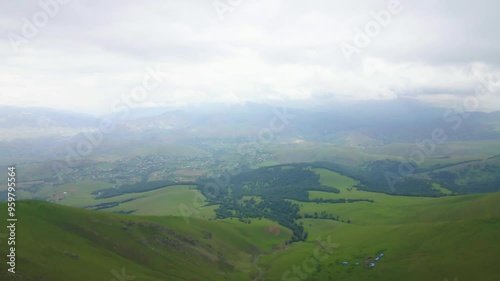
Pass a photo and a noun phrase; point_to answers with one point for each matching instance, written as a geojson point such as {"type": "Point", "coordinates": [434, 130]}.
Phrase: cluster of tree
{"type": "Point", "coordinates": [142, 186]}
{"type": "Point", "coordinates": [445, 179]}
{"type": "Point", "coordinates": [290, 182]}
{"type": "Point", "coordinates": [273, 185]}
{"type": "Point", "coordinates": [442, 166]}
{"type": "Point", "coordinates": [324, 216]}
{"type": "Point", "coordinates": [283, 212]}
{"type": "Point", "coordinates": [383, 176]}
{"type": "Point", "coordinates": [486, 179]}
{"type": "Point", "coordinates": [340, 200]}
{"type": "Point", "coordinates": [482, 187]}
{"type": "Point", "coordinates": [108, 205]}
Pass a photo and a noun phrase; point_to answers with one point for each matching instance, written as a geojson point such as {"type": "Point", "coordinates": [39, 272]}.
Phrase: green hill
{"type": "Point", "coordinates": [422, 238]}
{"type": "Point", "coordinates": [63, 243]}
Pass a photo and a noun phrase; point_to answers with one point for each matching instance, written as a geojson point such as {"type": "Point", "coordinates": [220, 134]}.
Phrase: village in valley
{"type": "Point", "coordinates": [368, 262]}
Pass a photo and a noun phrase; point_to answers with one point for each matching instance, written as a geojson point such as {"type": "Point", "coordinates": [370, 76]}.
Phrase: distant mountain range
{"type": "Point", "coordinates": [371, 123]}
{"type": "Point", "coordinates": [38, 117]}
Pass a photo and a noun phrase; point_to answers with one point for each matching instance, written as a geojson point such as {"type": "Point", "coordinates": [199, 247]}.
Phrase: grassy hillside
{"type": "Point", "coordinates": [170, 200]}
{"type": "Point", "coordinates": [62, 243]}
{"type": "Point", "coordinates": [414, 251]}
{"type": "Point", "coordinates": [421, 239]}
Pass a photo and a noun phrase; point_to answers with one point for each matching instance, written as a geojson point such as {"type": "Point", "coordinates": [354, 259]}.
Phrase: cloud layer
{"type": "Point", "coordinates": [84, 55]}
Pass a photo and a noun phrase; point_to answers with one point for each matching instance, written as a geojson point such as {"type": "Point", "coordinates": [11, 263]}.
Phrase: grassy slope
{"type": "Point", "coordinates": [49, 237]}
{"type": "Point", "coordinates": [171, 200]}
{"type": "Point", "coordinates": [422, 238]}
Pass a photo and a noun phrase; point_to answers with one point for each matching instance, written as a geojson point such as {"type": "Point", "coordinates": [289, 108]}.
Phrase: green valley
{"type": "Point", "coordinates": [176, 233]}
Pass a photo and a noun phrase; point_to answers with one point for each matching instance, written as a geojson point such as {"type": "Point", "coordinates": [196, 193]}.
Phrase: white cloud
{"type": "Point", "coordinates": [92, 52]}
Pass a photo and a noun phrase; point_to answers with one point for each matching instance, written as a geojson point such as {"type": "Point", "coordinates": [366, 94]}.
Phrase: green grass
{"type": "Point", "coordinates": [413, 251]}
{"type": "Point", "coordinates": [422, 239]}
{"type": "Point", "coordinates": [62, 243]}
{"type": "Point", "coordinates": [389, 209]}
{"type": "Point", "coordinates": [171, 200]}
{"type": "Point", "coordinates": [442, 189]}
{"type": "Point", "coordinates": [267, 164]}
{"type": "Point", "coordinates": [78, 194]}
{"type": "Point", "coordinates": [175, 200]}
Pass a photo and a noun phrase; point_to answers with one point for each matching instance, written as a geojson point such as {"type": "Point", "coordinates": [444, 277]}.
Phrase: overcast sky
{"type": "Point", "coordinates": [84, 55]}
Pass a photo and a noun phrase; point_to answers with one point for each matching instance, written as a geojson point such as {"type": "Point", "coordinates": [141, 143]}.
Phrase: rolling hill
{"type": "Point", "coordinates": [420, 239]}
{"type": "Point", "coordinates": [63, 243]}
